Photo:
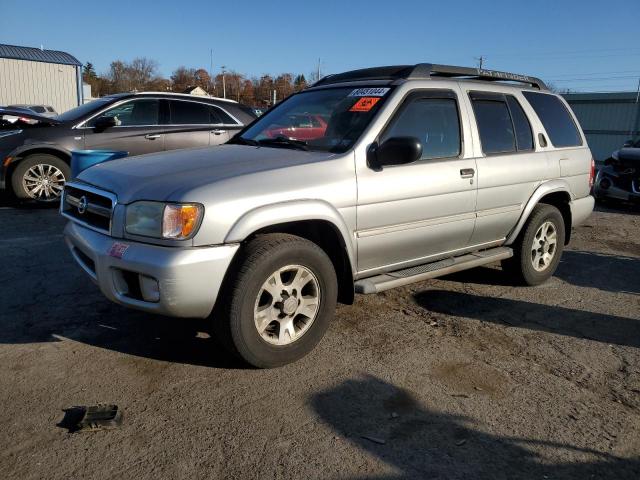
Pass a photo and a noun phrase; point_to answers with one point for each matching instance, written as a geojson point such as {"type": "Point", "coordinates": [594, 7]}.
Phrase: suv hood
{"type": "Point", "coordinates": [24, 113]}
{"type": "Point", "coordinates": [170, 175]}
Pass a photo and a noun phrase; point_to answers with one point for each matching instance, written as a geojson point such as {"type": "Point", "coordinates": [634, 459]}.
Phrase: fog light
{"type": "Point", "coordinates": [149, 289]}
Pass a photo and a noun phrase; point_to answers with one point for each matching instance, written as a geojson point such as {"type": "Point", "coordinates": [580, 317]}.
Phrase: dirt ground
{"type": "Point", "coordinates": [465, 377]}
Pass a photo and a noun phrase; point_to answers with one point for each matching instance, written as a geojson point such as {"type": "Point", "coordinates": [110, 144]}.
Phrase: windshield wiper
{"type": "Point", "coordinates": [243, 141]}
{"type": "Point", "coordinates": [285, 142]}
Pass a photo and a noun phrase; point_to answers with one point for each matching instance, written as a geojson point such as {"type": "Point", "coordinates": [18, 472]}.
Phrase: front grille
{"type": "Point", "coordinates": [88, 206]}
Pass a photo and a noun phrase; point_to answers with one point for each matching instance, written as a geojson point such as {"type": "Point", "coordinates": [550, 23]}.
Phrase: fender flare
{"type": "Point", "coordinates": [24, 150]}
{"type": "Point", "coordinates": [292, 211]}
{"type": "Point", "coordinates": [545, 188]}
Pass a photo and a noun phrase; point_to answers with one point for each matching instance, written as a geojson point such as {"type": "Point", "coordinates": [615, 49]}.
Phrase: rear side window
{"type": "Point", "coordinates": [556, 119]}
{"type": "Point", "coordinates": [221, 117]}
{"type": "Point", "coordinates": [433, 121]}
{"type": "Point", "coordinates": [494, 125]}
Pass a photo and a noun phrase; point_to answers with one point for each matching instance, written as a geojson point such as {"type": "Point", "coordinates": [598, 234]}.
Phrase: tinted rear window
{"type": "Point", "coordinates": [556, 119]}
{"type": "Point", "coordinates": [37, 109]}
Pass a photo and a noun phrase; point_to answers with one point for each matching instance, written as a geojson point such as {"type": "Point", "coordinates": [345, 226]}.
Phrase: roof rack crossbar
{"type": "Point", "coordinates": [429, 70]}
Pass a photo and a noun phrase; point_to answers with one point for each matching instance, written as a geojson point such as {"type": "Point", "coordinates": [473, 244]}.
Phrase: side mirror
{"type": "Point", "coordinates": [394, 151]}
{"type": "Point", "coordinates": [102, 123]}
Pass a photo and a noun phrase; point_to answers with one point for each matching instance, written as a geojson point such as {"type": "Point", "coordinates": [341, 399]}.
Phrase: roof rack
{"type": "Point", "coordinates": [428, 70]}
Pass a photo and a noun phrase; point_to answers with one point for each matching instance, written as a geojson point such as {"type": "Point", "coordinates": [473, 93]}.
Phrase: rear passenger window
{"type": "Point", "coordinates": [433, 121]}
{"type": "Point", "coordinates": [189, 113]}
{"type": "Point", "coordinates": [524, 137]}
{"type": "Point", "coordinates": [494, 125]}
{"type": "Point", "coordinates": [556, 119]}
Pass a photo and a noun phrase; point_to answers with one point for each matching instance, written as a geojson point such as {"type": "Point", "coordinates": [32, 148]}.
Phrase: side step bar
{"type": "Point", "coordinates": [419, 273]}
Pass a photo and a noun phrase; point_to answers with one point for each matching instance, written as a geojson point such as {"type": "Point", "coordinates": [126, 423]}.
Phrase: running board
{"type": "Point", "coordinates": [419, 273]}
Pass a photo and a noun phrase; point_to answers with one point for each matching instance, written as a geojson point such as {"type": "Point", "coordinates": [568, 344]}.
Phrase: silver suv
{"type": "Point", "coordinates": [394, 175]}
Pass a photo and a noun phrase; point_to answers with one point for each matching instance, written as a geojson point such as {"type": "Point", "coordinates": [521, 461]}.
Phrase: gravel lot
{"type": "Point", "coordinates": [464, 377]}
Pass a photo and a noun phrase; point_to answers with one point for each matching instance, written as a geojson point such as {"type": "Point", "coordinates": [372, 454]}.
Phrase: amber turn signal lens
{"type": "Point", "coordinates": [180, 221]}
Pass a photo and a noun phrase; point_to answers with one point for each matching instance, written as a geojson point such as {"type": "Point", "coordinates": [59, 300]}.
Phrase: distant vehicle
{"type": "Point", "coordinates": [619, 178]}
{"type": "Point", "coordinates": [422, 170]}
{"type": "Point", "coordinates": [44, 110]}
{"type": "Point", "coordinates": [35, 148]}
{"type": "Point", "coordinates": [299, 127]}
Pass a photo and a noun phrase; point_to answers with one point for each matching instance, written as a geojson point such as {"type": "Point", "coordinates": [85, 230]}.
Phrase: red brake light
{"type": "Point", "coordinates": [592, 173]}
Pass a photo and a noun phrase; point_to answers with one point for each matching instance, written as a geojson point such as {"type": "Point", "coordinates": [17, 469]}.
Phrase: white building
{"type": "Point", "coordinates": [34, 76]}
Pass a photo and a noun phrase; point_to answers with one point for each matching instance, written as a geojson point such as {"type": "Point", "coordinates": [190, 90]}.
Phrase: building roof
{"type": "Point", "coordinates": [37, 55]}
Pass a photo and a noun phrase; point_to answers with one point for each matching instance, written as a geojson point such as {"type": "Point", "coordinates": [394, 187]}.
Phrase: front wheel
{"type": "Point", "coordinates": [537, 251]}
{"type": "Point", "coordinates": [40, 177]}
{"type": "Point", "coordinates": [278, 302]}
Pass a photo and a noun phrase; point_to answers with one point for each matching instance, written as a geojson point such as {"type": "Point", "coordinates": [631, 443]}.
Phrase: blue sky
{"type": "Point", "coordinates": [583, 45]}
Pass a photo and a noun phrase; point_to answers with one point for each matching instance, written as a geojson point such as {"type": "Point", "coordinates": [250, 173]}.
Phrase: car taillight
{"type": "Point", "coordinates": [592, 173]}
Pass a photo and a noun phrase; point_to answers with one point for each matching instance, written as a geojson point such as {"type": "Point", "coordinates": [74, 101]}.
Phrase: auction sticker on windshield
{"type": "Point", "coordinates": [364, 104]}
{"type": "Point", "coordinates": [369, 92]}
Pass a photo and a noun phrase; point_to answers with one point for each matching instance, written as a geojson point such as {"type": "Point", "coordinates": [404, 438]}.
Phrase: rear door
{"type": "Point", "coordinates": [197, 124]}
{"type": "Point", "coordinates": [509, 166]}
{"type": "Point", "coordinates": [138, 128]}
{"type": "Point", "coordinates": [189, 125]}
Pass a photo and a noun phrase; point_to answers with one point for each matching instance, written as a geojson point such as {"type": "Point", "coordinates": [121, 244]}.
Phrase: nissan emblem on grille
{"type": "Point", "coordinates": [82, 205]}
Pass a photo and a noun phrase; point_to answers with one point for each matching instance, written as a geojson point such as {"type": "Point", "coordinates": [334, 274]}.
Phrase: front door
{"type": "Point", "coordinates": [414, 213]}
{"type": "Point", "coordinates": [137, 128]}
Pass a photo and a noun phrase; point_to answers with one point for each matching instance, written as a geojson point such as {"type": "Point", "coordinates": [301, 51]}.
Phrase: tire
{"type": "Point", "coordinates": [53, 171]}
{"type": "Point", "coordinates": [261, 328]}
{"type": "Point", "coordinates": [521, 266]}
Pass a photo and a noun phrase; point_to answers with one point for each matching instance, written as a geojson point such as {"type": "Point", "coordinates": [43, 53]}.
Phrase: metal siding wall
{"type": "Point", "coordinates": [606, 120]}
{"type": "Point", "coordinates": [52, 84]}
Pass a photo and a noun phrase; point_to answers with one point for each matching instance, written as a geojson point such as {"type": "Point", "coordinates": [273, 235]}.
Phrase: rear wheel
{"type": "Point", "coordinates": [278, 302]}
{"type": "Point", "coordinates": [537, 251]}
{"type": "Point", "coordinates": [40, 177]}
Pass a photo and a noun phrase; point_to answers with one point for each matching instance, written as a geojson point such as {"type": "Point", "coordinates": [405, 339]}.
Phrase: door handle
{"type": "Point", "coordinates": [467, 172]}
{"type": "Point", "coordinates": [152, 136]}
{"type": "Point", "coordinates": [217, 132]}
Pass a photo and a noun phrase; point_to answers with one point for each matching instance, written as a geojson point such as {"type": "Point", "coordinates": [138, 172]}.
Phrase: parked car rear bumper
{"type": "Point", "coordinates": [178, 282]}
{"type": "Point", "coordinates": [581, 209]}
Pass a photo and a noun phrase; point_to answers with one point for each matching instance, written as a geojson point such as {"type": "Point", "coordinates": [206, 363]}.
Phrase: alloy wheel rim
{"type": "Point", "coordinates": [43, 182]}
{"type": "Point", "coordinates": [287, 305]}
{"type": "Point", "coordinates": [544, 246]}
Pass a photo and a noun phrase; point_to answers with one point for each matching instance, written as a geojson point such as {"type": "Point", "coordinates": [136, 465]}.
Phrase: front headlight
{"type": "Point", "coordinates": [177, 221]}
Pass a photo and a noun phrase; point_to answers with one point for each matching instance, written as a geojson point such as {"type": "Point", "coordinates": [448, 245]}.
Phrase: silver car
{"type": "Point", "coordinates": [401, 174]}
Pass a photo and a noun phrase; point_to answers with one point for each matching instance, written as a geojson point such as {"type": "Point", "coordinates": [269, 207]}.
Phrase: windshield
{"type": "Point", "coordinates": [331, 119]}
{"type": "Point", "coordinates": [82, 110]}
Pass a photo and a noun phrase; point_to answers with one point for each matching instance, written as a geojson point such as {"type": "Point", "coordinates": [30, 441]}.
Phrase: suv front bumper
{"type": "Point", "coordinates": [173, 281]}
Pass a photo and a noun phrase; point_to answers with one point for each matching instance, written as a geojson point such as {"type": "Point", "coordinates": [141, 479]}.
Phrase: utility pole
{"type": "Point", "coordinates": [318, 69]}
{"type": "Point", "coordinates": [481, 60]}
{"type": "Point", "coordinates": [635, 126]}
{"type": "Point", "coordinates": [211, 71]}
{"type": "Point", "coordinates": [224, 85]}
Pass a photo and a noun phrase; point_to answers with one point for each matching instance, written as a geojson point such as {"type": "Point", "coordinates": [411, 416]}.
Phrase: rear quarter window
{"type": "Point", "coordinates": [555, 118]}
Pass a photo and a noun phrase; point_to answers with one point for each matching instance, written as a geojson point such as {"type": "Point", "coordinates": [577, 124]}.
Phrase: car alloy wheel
{"type": "Point", "coordinates": [287, 305]}
{"type": "Point", "coordinates": [43, 182]}
{"type": "Point", "coordinates": [544, 246]}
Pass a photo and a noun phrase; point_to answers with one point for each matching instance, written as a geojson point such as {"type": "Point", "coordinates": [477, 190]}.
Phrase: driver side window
{"type": "Point", "coordinates": [435, 122]}
{"type": "Point", "coordinates": [140, 112]}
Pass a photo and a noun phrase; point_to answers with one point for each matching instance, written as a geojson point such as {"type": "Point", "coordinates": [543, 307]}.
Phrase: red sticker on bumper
{"type": "Point", "coordinates": [118, 249]}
